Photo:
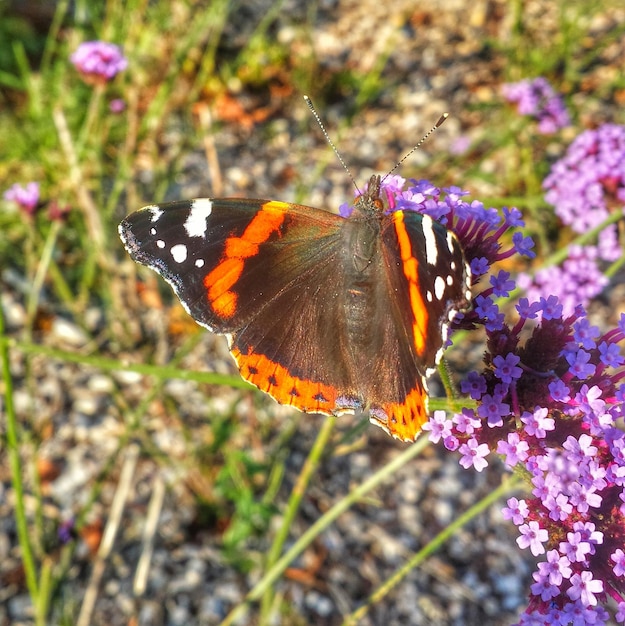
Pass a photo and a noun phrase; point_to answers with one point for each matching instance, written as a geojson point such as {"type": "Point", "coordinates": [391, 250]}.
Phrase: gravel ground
{"type": "Point", "coordinates": [441, 59]}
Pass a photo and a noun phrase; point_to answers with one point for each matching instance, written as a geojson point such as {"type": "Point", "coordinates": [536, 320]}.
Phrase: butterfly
{"type": "Point", "coordinates": [327, 314]}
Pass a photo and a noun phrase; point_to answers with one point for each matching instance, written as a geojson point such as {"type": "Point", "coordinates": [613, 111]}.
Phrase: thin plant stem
{"type": "Point", "coordinates": [299, 489]}
{"type": "Point", "coordinates": [42, 270]}
{"type": "Point", "coordinates": [506, 487]}
{"type": "Point", "coordinates": [13, 451]}
{"type": "Point", "coordinates": [92, 114]}
{"type": "Point", "coordinates": [115, 365]}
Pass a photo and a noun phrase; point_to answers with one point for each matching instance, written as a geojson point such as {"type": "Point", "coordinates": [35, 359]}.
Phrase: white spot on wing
{"type": "Point", "coordinates": [431, 249]}
{"type": "Point", "coordinates": [451, 244]}
{"type": "Point", "coordinates": [195, 224]}
{"type": "Point", "coordinates": [179, 252]}
{"type": "Point", "coordinates": [155, 212]}
{"type": "Point", "coordinates": [160, 244]}
{"type": "Point", "coordinates": [439, 287]}
{"type": "Point", "coordinates": [199, 263]}
{"type": "Point", "coordinates": [152, 231]}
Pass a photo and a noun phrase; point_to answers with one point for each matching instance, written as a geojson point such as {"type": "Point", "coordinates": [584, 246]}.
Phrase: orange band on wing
{"type": "Point", "coordinates": [218, 282]}
{"type": "Point", "coordinates": [278, 382]}
{"type": "Point", "coordinates": [404, 420]}
{"type": "Point", "coordinates": [411, 272]}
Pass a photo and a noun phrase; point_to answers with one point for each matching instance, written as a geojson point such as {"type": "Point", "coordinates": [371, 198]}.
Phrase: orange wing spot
{"type": "Point", "coordinates": [218, 282]}
{"type": "Point", "coordinates": [406, 419]}
{"type": "Point", "coordinates": [283, 387]}
{"type": "Point", "coordinates": [265, 222]}
{"type": "Point", "coordinates": [410, 267]}
{"type": "Point", "coordinates": [239, 247]}
{"type": "Point", "coordinates": [225, 305]}
{"type": "Point", "coordinates": [223, 277]}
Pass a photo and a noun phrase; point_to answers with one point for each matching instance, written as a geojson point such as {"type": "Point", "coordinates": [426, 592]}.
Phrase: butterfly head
{"type": "Point", "coordinates": [370, 202]}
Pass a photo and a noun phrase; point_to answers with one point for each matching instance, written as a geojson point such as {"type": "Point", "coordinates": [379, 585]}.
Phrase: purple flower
{"type": "Point", "coordinates": [528, 310]}
{"type": "Point", "coordinates": [517, 511]}
{"type": "Point", "coordinates": [439, 426]}
{"type": "Point", "coordinates": [579, 449]}
{"type": "Point", "coordinates": [523, 245]}
{"type": "Point", "coordinates": [588, 533]}
{"type": "Point", "coordinates": [574, 548]}
{"type": "Point", "coordinates": [585, 334]}
{"type": "Point", "coordinates": [532, 536]}
{"type": "Point", "coordinates": [473, 454]}
{"type": "Point", "coordinates": [558, 391]}
{"type": "Point", "coordinates": [559, 507]}
{"type": "Point", "coordinates": [584, 588]}
{"type": "Point", "coordinates": [581, 367]}
{"type": "Point", "coordinates": [537, 99]}
{"type": "Point", "coordinates": [502, 285]}
{"type": "Point", "coordinates": [451, 443]}
{"type": "Point", "coordinates": [610, 354]}
{"type": "Point", "coordinates": [474, 385]}
{"type": "Point", "coordinates": [99, 61]}
{"type": "Point", "coordinates": [551, 308]}
{"type": "Point", "coordinates": [466, 422]}
{"type": "Point", "coordinates": [479, 266]}
{"type": "Point", "coordinates": [27, 198]}
{"type": "Point", "coordinates": [619, 559]}
{"type": "Point", "coordinates": [555, 568]}
{"type": "Point", "coordinates": [117, 105]}
{"type": "Point", "coordinates": [563, 409]}
{"type": "Point", "coordinates": [538, 423]}
{"type": "Point", "coordinates": [543, 588]}
{"type": "Point", "coordinates": [488, 312]}
{"type": "Point", "coordinates": [493, 409]}
{"type": "Point", "coordinates": [506, 367]}
{"type": "Point", "coordinates": [514, 449]}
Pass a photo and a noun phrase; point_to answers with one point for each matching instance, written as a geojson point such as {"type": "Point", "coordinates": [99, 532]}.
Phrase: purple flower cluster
{"type": "Point", "coordinates": [575, 282]}
{"type": "Point", "coordinates": [98, 61]}
{"type": "Point", "coordinates": [480, 231]}
{"type": "Point", "coordinates": [27, 198]}
{"type": "Point", "coordinates": [551, 405]}
{"type": "Point", "coordinates": [588, 182]}
{"type": "Point", "coordinates": [549, 401]}
{"type": "Point", "coordinates": [584, 186]}
{"type": "Point", "coordinates": [538, 99]}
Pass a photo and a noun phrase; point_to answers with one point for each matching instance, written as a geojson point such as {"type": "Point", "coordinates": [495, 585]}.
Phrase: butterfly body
{"type": "Point", "coordinates": [328, 314]}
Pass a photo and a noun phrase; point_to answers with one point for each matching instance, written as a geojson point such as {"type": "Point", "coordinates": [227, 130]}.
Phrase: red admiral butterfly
{"type": "Point", "coordinates": [328, 314]}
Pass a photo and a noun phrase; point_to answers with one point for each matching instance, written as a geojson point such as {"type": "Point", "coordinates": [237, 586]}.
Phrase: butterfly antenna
{"type": "Point", "coordinates": [441, 119]}
{"type": "Point", "coordinates": [325, 134]}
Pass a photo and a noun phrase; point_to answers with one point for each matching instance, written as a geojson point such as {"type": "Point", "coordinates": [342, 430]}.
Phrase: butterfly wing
{"type": "Point", "coordinates": [422, 281]}
{"type": "Point", "coordinates": [267, 275]}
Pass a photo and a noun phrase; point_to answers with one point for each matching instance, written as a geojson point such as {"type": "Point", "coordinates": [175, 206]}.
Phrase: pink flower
{"type": "Point", "coordinates": [473, 454]}
{"type": "Point", "coordinates": [99, 61]}
{"type": "Point", "coordinates": [26, 197]}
